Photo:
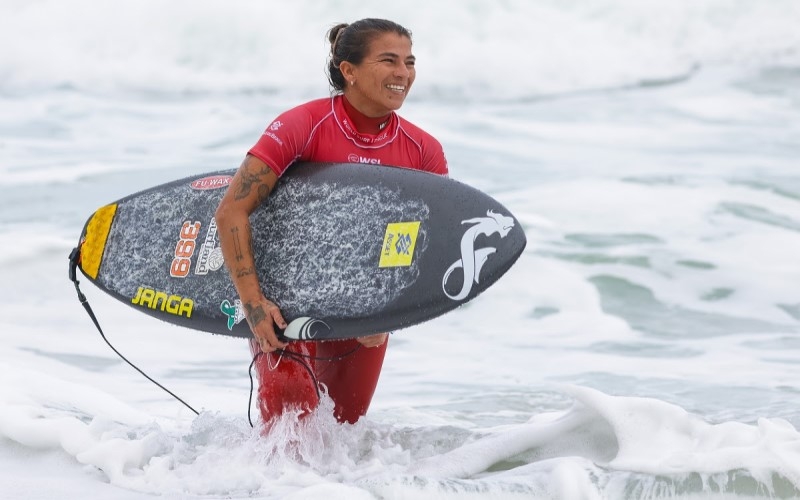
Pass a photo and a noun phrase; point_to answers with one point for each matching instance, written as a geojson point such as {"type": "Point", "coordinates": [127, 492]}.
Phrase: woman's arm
{"type": "Point", "coordinates": [251, 186]}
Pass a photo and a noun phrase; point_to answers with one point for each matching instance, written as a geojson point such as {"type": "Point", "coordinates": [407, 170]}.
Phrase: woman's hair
{"type": "Point", "coordinates": [349, 42]}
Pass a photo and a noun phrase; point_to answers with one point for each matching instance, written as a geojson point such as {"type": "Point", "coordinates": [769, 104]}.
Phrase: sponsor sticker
{"type": "Point", "coordinates": [169, 303]}
{"type": "Point", "coordinates": [184, 249]}
{"type": "Point", "coordinates": [398, 244]}
{"type": "Point", "coordinates": [211, 182]}
{"type": "Point", "coordinates": [209, 257]}
{"type": "Point", "coordinates": [234, 312]}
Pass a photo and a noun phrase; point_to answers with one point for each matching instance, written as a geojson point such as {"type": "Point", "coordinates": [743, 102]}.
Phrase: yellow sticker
{"type": "Point", "coordinates": [398, 244]}
{"type": "Point", "coordinates": [95, 239]}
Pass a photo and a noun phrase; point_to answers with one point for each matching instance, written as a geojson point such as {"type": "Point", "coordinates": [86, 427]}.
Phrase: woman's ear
{"type": "Point", "coordinates": [348, 70]}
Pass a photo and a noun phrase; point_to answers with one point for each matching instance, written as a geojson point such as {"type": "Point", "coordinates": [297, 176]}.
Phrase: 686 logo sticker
{"type": "Point", "coordinates": [184, 249]}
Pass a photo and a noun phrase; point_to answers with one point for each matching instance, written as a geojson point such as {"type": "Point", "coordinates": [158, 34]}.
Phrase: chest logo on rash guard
{"type": "Point", "coordinates": [354, 158]}
{"type": "Point", "coordinates": [472, 259]}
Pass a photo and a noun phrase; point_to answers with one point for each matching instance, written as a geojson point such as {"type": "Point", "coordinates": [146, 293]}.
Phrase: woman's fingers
{"type": "Point", "coordinates": [263, 316]}
{"type": "Point", "coordinates": [373, 340]}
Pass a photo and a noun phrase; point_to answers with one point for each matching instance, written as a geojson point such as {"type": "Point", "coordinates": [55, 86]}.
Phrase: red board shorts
{"type": "Point", "coordinates": [347, 370]}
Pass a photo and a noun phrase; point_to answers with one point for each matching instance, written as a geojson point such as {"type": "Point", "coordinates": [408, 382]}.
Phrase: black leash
{"type": "Point", "coordinates": [73, 265]}
{"type": "Point", "coordinates": [74, 257]}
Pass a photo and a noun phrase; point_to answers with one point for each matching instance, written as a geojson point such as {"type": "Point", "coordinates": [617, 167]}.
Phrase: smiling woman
{"type": "Point", "coordinates": [371, 70]}
{"type": "Point", "coordinates": [375, 82]}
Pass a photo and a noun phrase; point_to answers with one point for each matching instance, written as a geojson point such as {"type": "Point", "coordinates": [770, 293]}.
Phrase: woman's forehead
{"type": "Point", "coordinates": [392, 43]}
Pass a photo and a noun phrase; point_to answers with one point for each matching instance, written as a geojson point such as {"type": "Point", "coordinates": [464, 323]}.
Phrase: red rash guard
{"type": "Point", "coordinates": [325, 130]}
{"type": "Point", "coordinates": [322, 131]}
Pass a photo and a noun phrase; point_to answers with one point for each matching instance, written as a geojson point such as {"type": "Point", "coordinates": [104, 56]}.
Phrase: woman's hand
{"type": "Point", "coordinates": [373, 340]}
{"type": "Point", "coordinates": [263, 315]}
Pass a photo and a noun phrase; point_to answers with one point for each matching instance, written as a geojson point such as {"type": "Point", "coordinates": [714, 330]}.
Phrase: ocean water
{"type": "Point", "coordinates": [645, 345]}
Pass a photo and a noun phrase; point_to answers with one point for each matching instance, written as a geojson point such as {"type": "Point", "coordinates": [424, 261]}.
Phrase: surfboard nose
{"type": "Point", "coordinates": [93, 239]}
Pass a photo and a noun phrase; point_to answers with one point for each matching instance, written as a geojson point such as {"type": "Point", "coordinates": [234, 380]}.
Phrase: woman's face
{"type": "Point", "coordinates": [383, 79]}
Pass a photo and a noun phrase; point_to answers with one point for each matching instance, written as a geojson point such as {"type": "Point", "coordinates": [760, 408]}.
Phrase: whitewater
{"type": "Point", "coordinates": [645, 345]}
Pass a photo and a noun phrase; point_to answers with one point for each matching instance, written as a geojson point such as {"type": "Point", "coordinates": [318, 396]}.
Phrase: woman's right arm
{"type": "Point", "coordinates": [252, 184]}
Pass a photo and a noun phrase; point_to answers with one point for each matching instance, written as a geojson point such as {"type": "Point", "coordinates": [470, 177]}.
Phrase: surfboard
{"type": "Point", "coordinates": [345, 250]}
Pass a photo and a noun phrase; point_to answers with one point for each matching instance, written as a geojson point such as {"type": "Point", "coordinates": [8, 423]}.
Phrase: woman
{"type": "Point", "coordinates": [371, 69]}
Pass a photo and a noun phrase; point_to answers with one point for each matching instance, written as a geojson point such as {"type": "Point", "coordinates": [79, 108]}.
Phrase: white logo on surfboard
{"type": "Point", "coordinates": [472, 259]}
{"type": "Point", "coordinates": [209, 257]}
{"type": "Point", "coordinates": [305, 328]}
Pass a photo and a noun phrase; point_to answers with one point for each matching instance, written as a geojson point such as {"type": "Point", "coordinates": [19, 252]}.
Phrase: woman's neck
{"type": "Point", "coordinates": [363, 123]}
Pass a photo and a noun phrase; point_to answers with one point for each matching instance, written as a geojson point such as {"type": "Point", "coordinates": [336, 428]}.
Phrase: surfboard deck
{"type": "Point", "coordinates": [345, 250]}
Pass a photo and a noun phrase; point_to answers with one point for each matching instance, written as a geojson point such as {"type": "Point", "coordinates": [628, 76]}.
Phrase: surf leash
{"type": "Point", "coordinates": [74, 257]}
{"type": "Point", "coordinates": [303, 359]}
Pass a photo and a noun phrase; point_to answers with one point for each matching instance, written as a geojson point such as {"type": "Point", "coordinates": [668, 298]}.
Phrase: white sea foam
{"type": "Point", "coordinates": [221, 456]}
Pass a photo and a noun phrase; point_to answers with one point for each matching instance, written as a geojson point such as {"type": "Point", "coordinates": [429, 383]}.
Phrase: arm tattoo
{"type": "Point", "coordinates": [245, 272]}
{"type": "Point", "coordinates": [237, 245]}
{"type": "Point", "coordinates": [245, 184]}
{"type": "Point", "coordinates": [255, 315]}
{"type": "Point", "coordinates": [249, 179]}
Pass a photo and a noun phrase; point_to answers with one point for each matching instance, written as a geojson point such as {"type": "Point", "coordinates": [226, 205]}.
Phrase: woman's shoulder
{"type": "Point", "coordinates": [308, 112]}
{"type": "Point", "coordinates": [322, 105]}
{"type": "Point", "coordinates": [415, 132]}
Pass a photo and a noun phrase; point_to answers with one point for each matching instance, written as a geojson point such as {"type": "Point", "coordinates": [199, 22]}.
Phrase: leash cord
{"type": "Point", "coordinates": [73, 260]}
{"type": "Point", "coordinates": [302, 359]}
